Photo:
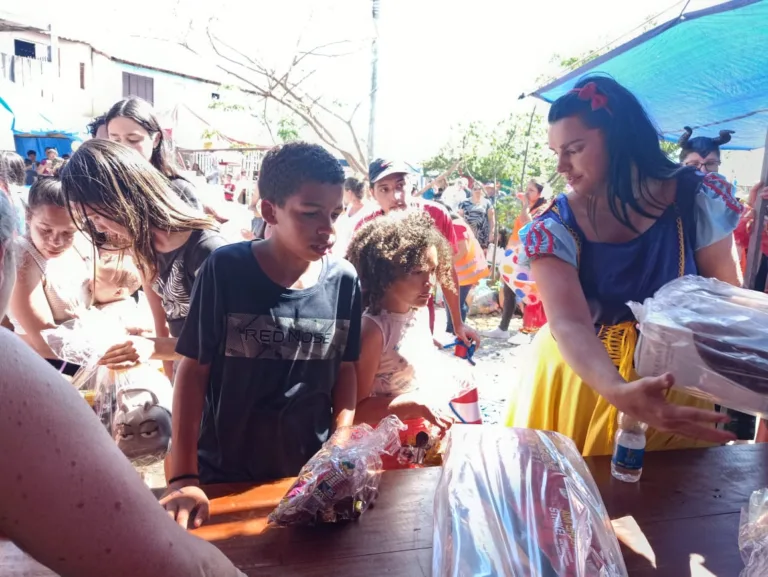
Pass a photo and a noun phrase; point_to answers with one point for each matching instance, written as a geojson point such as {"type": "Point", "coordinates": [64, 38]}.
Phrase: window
{"type": "Point", "coordinates": [141, 86]}
{"type": "Point", "coordinates": [82, 76]}
{"type": "Point", "coordinates": [24, 49]}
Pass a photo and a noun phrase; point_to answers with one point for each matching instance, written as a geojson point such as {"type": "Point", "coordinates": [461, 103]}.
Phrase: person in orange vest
{"type": "Point", "coordinates": [469, 262]}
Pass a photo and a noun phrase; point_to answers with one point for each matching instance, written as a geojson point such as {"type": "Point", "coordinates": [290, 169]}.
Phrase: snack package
{"type": "Point", "coordinates": [341, 480]}
{"type": "Point", "coordinates": [753, 535]}
{"type": "Point", "coordinates": [520, 502]}
{"type": "Point", "coordinates": [712, 336]}
{"type": "Point", "coordinates": [133, 404]}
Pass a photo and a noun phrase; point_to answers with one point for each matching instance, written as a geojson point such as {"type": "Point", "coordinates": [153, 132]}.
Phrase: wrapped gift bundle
{"type": "Point", "coordinates": [342, 479]}
{"type": "Point", "coordinates": [712, 337]}
{"type": "Point", "coordinates": [520, 502]}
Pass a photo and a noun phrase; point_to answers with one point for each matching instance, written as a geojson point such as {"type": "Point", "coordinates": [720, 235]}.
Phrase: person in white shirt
{"type": "Point", "coordinates": [355, 208]}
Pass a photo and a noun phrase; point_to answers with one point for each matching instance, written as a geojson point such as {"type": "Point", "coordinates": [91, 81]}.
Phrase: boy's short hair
{"type": "Point", "coordinates": [285, 168]}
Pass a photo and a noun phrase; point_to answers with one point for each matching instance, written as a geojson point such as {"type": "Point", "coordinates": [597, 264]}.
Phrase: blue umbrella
{"type": "Point", "coordinates": [706, 69]}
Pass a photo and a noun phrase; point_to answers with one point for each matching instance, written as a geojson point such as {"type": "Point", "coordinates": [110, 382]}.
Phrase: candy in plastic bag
{"type": "Point", "coordinates": [133, 404]}
{"type": "Point", "coordinates": [520, 502]}
{"type": "Point", "coordinates": [342, 479]}
{"type": "Point", "coordinates": [753, 535]}
{"type": "Point", "coordinates": [712, 337]}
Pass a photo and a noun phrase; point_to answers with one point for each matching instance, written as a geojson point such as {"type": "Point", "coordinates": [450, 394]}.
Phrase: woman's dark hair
{"type": "Point", "coordinates": [46, 191]}
{"type": "Point", "coordinates": [355, 186]}
{"type": "Point", "coordinates": [702, 145]}
{"type": "Point", "coordinates": [115, 182]}
{"type": "Point", "coordinates": [631, 141]}
{"type": "Point", "coordinates": [392, 246]}
{"type": "Point", "coordinates": [539, 187]}
{"type": "Point", "coordinates": [95, 124]}
{"type": "Point", "coordinates": [13, 171]}
{"type": "Point", "coordinates": [142, 113]}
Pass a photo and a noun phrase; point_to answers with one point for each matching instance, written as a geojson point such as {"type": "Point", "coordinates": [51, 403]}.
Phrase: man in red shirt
{"type": "Point", "coordinates": [390, 189]}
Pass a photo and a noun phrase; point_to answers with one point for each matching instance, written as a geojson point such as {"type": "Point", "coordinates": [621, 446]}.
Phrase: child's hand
{"type": "Point", "coordinates": [182, 501]}
{"type": "Point", "coordinates": [128, 354]}
{"type": "Point", "coordinates": [441, 419]}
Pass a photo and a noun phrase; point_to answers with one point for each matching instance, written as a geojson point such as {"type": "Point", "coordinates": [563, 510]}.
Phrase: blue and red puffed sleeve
{"type": "Point", "coordinates": [716, 210]}
{"type": "Point", "coordinates": [547, 236]}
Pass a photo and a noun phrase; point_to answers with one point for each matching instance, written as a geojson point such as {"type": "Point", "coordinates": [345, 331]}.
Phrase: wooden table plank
{"type": "Point", "coordinates": [686, 504]}
{"type": "Point", "coordinates": [400, 521]}
{"type": "Point", "coordinates": [401, 564]}
{"type": "Point", "coordinates": [681, 484]}
{"type": "Point", "coordinates": [680, 544]}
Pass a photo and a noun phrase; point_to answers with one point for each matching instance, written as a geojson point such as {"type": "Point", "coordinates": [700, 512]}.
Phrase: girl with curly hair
{"type": "Point", "coordinates": [399, 258]}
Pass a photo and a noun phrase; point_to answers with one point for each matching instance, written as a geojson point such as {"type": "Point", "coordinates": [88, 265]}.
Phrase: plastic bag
{"type": "Point", "coordinates": [753, 535]}
{"type": "Point", "coordinates": [712, 336]}
{"type": "Point", "coordinates": [520, 502]}
{"type": "Point", "coordinates": [483, 300]}
{"type": "Point", "coordinates": [341, 480]}
{"type": "Point", "coordinates": [133, 404]}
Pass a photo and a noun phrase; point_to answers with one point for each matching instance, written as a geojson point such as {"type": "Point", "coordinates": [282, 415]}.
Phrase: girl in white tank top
{"type": "Point", "coordinates": [399, 258]}
{"type": "Point", "coordinates": [55, 267]}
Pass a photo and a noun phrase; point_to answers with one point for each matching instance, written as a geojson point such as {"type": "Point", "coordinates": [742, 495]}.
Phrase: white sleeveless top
{"type": "Point", "coordinates": [66, 287]}
{"type": "Point", "coordinates": [406, 340]}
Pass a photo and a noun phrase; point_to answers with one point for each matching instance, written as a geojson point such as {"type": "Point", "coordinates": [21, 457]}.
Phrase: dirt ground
{"type": "Point", "coordinates": [497, 363]}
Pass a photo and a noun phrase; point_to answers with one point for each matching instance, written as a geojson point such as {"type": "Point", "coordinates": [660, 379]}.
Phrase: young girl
{"type": "Point", "coordinates": [399, 258]}
{"type": "Point", "coordinates": [114, 191]}
{"type": "Point", "coordinates": [54, 272]}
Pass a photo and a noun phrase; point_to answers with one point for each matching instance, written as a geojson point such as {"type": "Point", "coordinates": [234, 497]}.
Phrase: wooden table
{"type": "Point", "coordinates": [686, 505]}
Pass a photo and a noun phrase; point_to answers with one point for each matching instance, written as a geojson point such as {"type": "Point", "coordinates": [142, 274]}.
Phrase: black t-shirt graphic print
{"type": "Point", "coordinates": [275, 356]}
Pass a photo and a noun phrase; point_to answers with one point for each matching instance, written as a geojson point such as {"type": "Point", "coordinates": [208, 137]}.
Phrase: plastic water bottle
{"type": "Point", "coordinates": [628, 449]}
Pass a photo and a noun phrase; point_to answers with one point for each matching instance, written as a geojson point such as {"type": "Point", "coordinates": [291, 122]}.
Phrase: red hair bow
{"type": "Point", "coordinates": [589, 92]}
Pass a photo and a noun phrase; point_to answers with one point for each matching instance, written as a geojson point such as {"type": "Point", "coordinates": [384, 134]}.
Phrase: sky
{"type": "Point", "coordinates": [442, 63]}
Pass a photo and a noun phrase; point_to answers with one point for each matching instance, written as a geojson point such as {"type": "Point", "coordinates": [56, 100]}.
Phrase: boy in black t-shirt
{"type": "Point", "coordinates": [270, 341]}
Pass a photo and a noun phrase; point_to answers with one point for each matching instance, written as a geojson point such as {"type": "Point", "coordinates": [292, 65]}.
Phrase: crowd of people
{"type": "Point", "coordinates": [327, 317]}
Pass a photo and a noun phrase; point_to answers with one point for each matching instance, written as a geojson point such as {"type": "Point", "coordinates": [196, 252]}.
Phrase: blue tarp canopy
{"type": "Point", "coordinates": [706, 69]}
{"type": "Point", "coordinates": [26, 119]}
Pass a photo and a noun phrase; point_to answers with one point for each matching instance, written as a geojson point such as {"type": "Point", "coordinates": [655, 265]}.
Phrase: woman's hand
{"type": "Point", "coordinates": [182, 500]}
{"type": "Point", "coordinates": [128, 354]}
{"type": "Point", "coordinates": [645, 400]}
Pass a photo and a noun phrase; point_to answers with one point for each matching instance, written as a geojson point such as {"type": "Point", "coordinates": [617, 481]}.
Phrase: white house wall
{"type": "Point", "coordinates": [169, 89]}
{"type": "Point", "coordinates": [42, 81]}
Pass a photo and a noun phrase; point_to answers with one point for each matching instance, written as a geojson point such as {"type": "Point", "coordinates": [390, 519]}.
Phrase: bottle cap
{"type": "Point", "coordinates": [627, 423]}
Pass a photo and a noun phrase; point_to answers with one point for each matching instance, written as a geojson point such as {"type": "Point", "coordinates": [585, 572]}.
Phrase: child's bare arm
{"type": "Point", "coordinates": [184, 496]}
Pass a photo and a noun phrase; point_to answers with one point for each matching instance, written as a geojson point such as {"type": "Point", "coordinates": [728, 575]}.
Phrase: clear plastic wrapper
{"type": "Point", "coordinates": [712, 337]}
{"type": "Point", "coordinates": [341, 481]}
{"type": "Point", "coordinates": [753, 535]}
{"type": "Point", "coordinates": [133, 404]}
{"type": "Point", "coordinates": [520, 503]}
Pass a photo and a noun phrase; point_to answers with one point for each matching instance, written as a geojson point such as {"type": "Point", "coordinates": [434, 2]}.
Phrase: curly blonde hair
{"type": "Point", "coordinates": [390, 247]}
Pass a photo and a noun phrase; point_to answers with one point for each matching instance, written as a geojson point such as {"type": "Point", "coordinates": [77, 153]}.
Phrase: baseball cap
{"type": "Point", "coordinates": [381, 168]}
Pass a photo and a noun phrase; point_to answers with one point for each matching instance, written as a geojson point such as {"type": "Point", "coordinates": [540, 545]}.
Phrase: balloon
{"type": "Point", "coordinates": [519, 279]}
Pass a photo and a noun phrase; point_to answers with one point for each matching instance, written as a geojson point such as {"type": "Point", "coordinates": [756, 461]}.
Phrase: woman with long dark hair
{"type": "Point", "coordinates": [113, 191]}
{"type": "Point", "coordinates": [133, 122]}
{"type": "Point", "coordinates": [634, 221]}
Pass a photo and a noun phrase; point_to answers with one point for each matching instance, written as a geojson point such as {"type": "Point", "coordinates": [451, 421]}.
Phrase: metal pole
{"type": "Point", "coordinates": [374, 79]}
{"type": "Point", "coordinates": [54, 60]}
{"type": "Point", "coordinates": [527, 142]}
{"type": "Point", "coordinates": [754, 254]}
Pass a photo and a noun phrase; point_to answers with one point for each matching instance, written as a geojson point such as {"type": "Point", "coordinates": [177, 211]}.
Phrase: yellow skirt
{"type": "Point", "coordinates": [551, 396]}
